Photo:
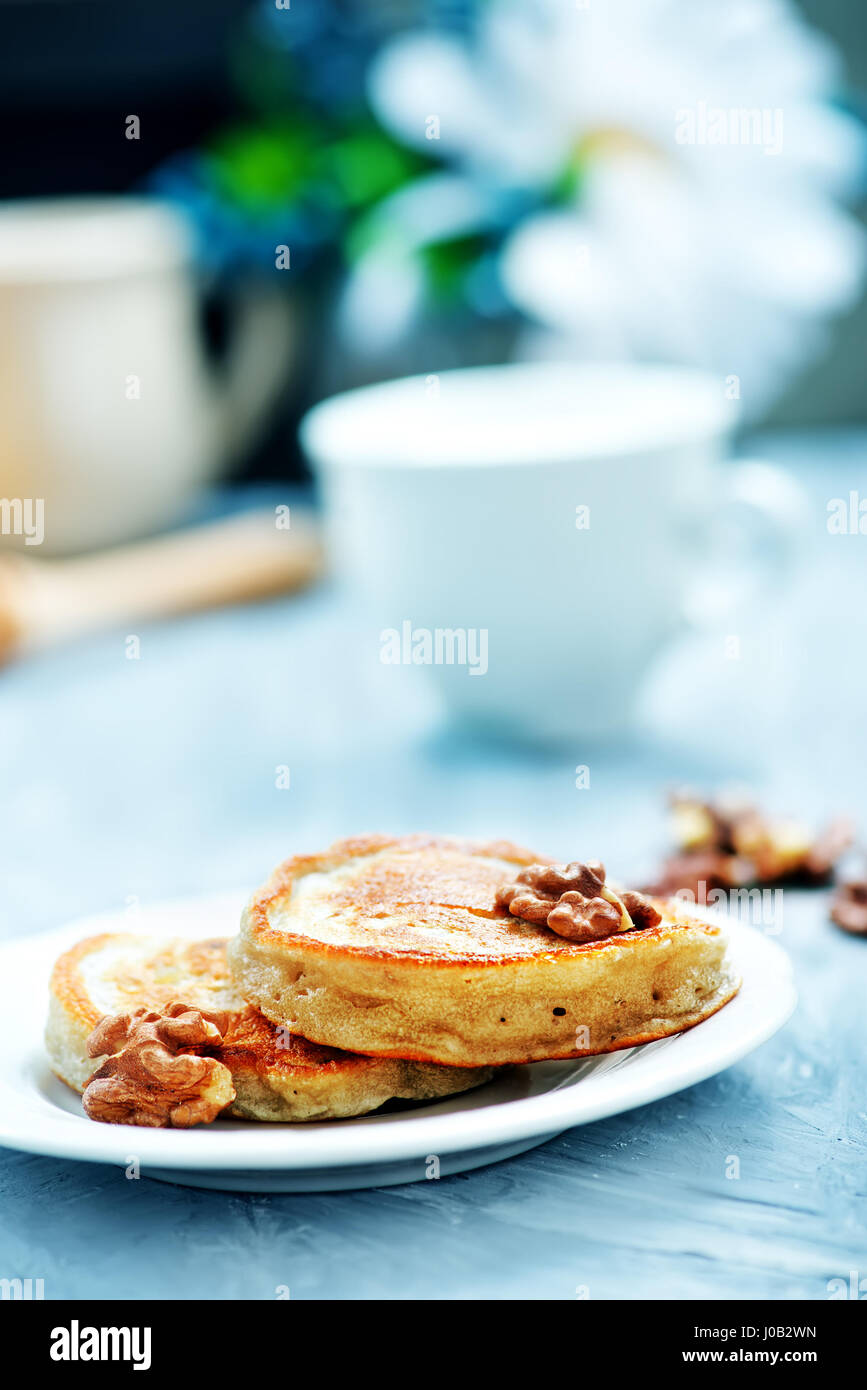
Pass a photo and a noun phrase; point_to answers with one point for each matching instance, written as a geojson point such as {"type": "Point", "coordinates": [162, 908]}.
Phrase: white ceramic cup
{"type": "Point", "coordinates": [111, 413]}
{"type": "Point", "coordinates": [563, 511]}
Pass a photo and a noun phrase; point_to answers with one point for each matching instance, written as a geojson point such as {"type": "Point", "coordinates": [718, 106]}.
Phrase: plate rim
{"type": "Point", "coordinates": [347, 1143]}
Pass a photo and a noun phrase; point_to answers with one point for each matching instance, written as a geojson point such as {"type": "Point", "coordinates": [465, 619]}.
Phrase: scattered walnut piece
{"type": "Point", "coordinates": [686, 873]}
{"type": "Point", "coordinates": [149, 1078]}
{"type": "Point", "coordinates": [849, 906]}
{"type": "Point", "coordinates": [574, 901]}
{"type": "Point", "coordinates": [729, 843]}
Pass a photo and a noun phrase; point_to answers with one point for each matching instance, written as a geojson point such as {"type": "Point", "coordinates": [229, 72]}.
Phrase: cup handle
{"type": "Point", "coordinates": [762, 519]}
{"type": "Point", "coordinates": [253, 366]}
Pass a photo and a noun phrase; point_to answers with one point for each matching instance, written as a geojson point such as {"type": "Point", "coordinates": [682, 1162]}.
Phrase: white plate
{"type": "Point", "coordinates": [524, 1107]}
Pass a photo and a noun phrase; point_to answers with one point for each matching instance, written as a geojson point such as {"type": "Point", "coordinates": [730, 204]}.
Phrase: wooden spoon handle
{"type": "Point", "coordinates": [244, 557]}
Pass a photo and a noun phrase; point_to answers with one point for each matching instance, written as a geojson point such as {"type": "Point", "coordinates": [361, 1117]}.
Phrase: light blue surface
{"type": "Point", "coordinates": [129, 781]}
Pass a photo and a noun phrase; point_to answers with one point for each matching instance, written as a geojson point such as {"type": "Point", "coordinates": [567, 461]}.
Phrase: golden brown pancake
{"type": "Point", "coordinates": [395, 947]}
{"type": "Point", "coordinates": [277, 1074]}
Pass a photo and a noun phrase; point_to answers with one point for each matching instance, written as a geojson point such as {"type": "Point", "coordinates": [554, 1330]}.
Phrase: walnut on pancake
{"type": "Point", "coordinates": [575, 901]}
{"type": "Point", "coordinates": [148, 1077]}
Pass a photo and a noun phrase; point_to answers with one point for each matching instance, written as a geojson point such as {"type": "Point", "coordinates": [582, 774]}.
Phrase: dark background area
{"type": "Point", "coordinates": [71, 71]}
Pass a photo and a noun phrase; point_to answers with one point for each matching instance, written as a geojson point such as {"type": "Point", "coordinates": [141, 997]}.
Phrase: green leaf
{"type": "Point", "coordinates": [447, 263]}
{"type": "Point", "coordinates": [262, 167]}
{"type": "Point", "coordinates": [367, 166]}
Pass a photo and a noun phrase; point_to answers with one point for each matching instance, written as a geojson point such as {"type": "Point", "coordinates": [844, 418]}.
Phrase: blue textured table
{"type": "Point", "coordinates": [129, 781]}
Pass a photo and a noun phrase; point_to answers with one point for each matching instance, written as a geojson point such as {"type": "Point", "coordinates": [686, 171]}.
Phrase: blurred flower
{"type": "Point", "coordinates": [308, 158]}
{"type": "Point", "coordinates": [428, 248]}
{"type": "Point", "coordinates": [289, 180]}
{"type": "Point", "coordinates": [680, 165]}
{"type": "Point", "coordinates": [316, 50]}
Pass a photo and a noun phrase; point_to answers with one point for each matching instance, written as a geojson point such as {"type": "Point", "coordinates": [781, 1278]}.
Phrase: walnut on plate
{"type": "Point", "coordinates": [574, 901]}
{"type": "Point", "coordinates": [149, 1078]}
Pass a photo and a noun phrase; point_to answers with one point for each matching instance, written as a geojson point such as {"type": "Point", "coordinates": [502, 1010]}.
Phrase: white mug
{"type": "Point", "coordinates": [111, 415]}
{"type": "Point", "coordinates": [535, 532]}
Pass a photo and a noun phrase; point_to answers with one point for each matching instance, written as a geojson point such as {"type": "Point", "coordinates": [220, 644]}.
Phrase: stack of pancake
{"type": "Point", "coordinates": [384, 968]}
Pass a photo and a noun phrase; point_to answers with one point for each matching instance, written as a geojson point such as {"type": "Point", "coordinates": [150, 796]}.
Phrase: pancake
{"type": "Point", "coordinates": [277, 1075]}
{"type": "Point", "coordinates": [395, 948]}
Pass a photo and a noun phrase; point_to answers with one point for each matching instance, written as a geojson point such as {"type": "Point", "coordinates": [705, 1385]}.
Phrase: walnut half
{"type": "Point", "coordinates": [849, 906]}
{"type": "Point", "coordinates": [575, 901]}
{"type": "Point", "coordinates": [148, 1078]}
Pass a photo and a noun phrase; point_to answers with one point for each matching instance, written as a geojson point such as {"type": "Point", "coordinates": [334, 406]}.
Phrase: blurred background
{"type": "Point", "coordinates": [284, 201]}
{"type": "Point", "coordinates": [305, 126]}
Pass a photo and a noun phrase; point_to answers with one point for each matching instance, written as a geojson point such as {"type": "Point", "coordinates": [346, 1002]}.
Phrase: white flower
{"type": "Point", "coordinates": [386, 289]}
{"type": "Point", "coordinates": [705, 224]}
